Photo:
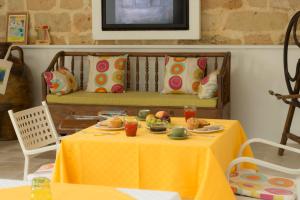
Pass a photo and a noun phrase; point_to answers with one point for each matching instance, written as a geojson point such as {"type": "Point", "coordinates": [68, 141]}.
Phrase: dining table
{"type": "Point", "coordinates": [20, 189]}
{"type": "Point", "coordinates": [194, 167]}
{"type": "Point", "coordinates": [61, 191]}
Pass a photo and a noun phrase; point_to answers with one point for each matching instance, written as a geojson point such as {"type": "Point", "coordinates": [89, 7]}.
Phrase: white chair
{"type": "Point", "coordinates": [262, 186]}
{"type": "Point", "coordinates": [36, 134]}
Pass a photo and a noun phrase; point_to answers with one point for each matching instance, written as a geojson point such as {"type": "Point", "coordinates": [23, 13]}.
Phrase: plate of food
{"type": "Point", "coordinates": [195, 123]}
{"type": "Point", "coordinates": [153, 119]}
{"type": "Point", "coordinates": [159, 128]}
{"type": "Point", "coordinates": [208, 129]}
{"type": "Point", "coordinates": [111, 124]}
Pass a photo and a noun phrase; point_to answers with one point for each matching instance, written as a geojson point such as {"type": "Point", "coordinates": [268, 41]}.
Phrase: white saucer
{"type": "Point", "coordinates": [105, 128]}
{"type": "Point", "coordinates": [208, 129]}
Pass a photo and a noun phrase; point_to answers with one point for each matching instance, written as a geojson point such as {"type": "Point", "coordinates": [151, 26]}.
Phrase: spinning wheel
{"type": "Point", "coordinates": [292, 99]}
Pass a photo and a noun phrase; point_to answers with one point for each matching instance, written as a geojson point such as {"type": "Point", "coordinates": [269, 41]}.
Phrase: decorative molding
{"type": "Point", "coordinates": [155, 47]}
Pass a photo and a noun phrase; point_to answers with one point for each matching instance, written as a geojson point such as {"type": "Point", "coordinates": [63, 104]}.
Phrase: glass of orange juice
{"type": "Point", "coordinates": [189, 112]}
{"type": "Point", "coordinates": [131, 126]}
{"type": "Point", "coordinates": [40, 189]}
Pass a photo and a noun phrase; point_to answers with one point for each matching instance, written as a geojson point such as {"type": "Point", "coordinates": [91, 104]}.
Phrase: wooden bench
{"type": "Point", "coordinates": [144, 82]}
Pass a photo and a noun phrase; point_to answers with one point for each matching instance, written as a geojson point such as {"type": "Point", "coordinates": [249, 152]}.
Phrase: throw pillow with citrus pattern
{"type": "Point", "coordinates": [107, 74]}
{"type": "Point", "coordinates": [209, 86]}
{"type": "Point", "coordinates": [183, 74]}
{"type": "Point", "coordinates": [61, 81]}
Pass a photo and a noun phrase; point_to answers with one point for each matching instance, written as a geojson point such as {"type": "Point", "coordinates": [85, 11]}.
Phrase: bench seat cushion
{"type": "Point", "coordinates": [132, 98]}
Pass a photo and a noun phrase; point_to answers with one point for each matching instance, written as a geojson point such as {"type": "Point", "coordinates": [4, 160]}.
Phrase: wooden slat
{"type": "Point", "coordinates": [45, 89]}
{"type": "Point", "coordinates": [293, 137]}
{"type": "Point", "coordinates": [156, 74]}
{"type": "Point", "coordinates": [128, 73]}
{"type": "Point", "coordinates": [72, 65]}
{"type": "Point", "coordinates": [147, 74]}
{"type": "Point", "coordinates": [137, 79]}
{"type": "Point", "coordinates": [216, 63]}
{"type": "Point", "coordinates": [62, 61]}
{"type": "Point", "coordinates": [81, 73]}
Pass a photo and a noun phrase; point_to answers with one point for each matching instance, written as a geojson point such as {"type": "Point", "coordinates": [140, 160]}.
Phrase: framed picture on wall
{"type": "Point", "coordinates": [17, 27]}
{"type": "Point", "coordinates": [146, 19]}
{"type": "Point", "coordinates": [145, 15]}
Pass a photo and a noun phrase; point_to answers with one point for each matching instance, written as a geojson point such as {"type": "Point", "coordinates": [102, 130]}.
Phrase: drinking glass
{"type": "Point", "coordinates": [40, 189]}
{"type": "Point", "coordinates": [131, 126]}
{"type": "Point", "coordinates": [189, 112]}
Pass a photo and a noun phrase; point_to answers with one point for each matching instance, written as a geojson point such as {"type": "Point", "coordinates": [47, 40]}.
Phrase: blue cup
{"type": "Point", "coordinates": [179, 132]}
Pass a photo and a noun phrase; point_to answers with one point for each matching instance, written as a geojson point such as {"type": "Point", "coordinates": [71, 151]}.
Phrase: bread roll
{"type": "Point", "coordinates": [192, 123]}
{"type": "Point", "coordinates": [115, 122]}
{"type": "Point", "coordinates": [203, 123]}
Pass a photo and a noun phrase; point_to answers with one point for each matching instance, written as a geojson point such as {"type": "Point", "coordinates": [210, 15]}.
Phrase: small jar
{"type": "Point", "coordinates": [40, 189]}
{"type": "Point", "coordinates": [131, 126]}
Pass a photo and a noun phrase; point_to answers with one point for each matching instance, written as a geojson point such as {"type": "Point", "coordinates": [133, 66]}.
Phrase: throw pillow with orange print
{"type": "Point", "coordinates": [107, 74]}
{"type": "Point", "coordinates": [183, 74]}
{"type": "Point", "coordinates": [61, 81]}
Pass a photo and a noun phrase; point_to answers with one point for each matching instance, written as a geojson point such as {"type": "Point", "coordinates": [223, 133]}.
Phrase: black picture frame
{"type": "Point", "coordinates": [182, 8]}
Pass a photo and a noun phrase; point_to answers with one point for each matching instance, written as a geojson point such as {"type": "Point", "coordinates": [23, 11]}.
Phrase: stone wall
{"type": "Point", "coordinates": [222, 21]}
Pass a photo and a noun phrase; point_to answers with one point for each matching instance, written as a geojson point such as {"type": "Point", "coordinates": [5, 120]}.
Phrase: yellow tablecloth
{"type": "Point", "coordinates": [67, 192]}
{"type": "Point", "coordinates": [194, 167]}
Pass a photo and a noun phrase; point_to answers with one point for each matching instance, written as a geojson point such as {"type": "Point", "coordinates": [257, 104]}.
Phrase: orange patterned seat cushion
{"type": "Point", "coordinates": [46, 167]}
{"type": "Point", "coordinates": [262, 186]}
{"type": "Point", "coordinates": [45, 170]}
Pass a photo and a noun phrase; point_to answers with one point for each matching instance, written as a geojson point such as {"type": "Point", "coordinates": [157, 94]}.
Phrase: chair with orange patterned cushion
{"type": "Point", "coordinates": [254, 184]}
{"type": "Point", "coordinates": [36, 134]}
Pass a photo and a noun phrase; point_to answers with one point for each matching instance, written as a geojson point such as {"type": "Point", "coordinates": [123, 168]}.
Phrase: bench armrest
{"type": "Point", "coordinates": [224, 82]}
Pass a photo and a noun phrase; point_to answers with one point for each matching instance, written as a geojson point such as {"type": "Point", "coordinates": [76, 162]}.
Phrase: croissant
{"type": "Point", "coordinates": [192, 123]}
{"type": "Point", "coordinates": [203, 123]}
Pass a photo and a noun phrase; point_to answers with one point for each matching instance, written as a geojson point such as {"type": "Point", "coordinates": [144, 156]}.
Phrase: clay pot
{"type": "Point", "coordinates": [17, 95]}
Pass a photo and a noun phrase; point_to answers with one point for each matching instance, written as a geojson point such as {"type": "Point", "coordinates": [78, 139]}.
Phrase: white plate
{"type": "Point", "coordinates": [105, 128]}
{"type": "Point", "coordinates": [159, 132]}
{"type": "Point", "coordinates": [208, 129]}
